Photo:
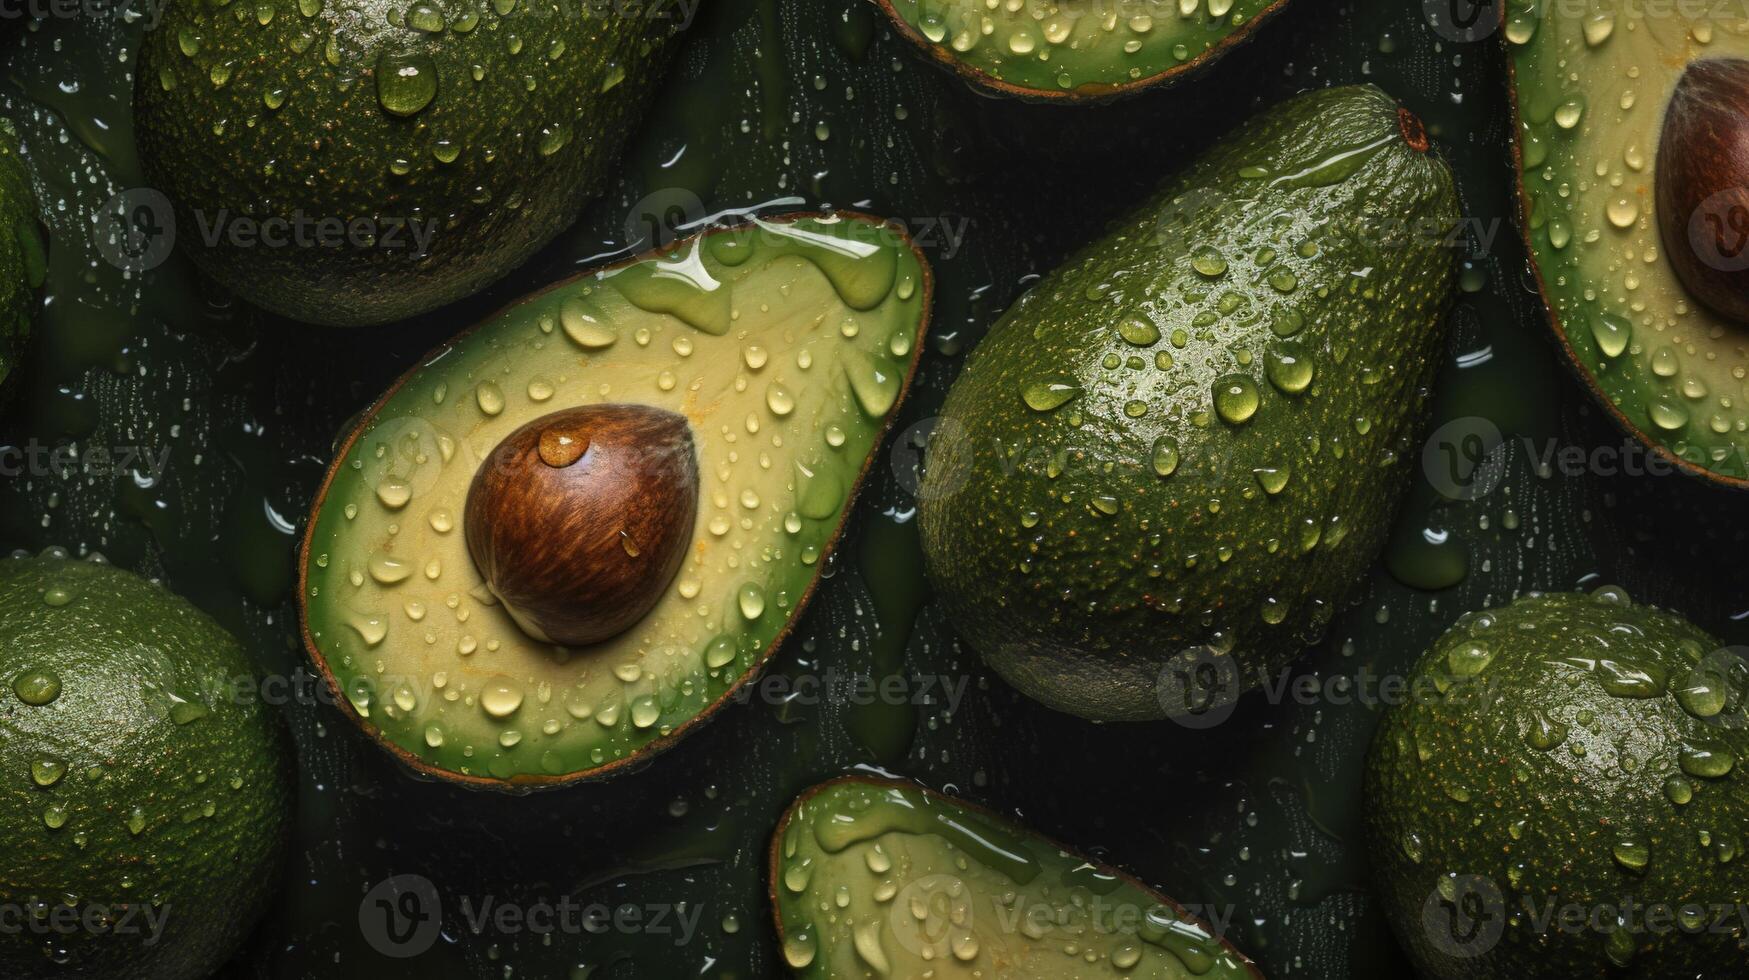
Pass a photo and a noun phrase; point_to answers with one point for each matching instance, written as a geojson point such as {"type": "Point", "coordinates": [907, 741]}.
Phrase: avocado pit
{"type": "Point", "coordinates": [1702, 183]}
{"type": "Point", "coordinates": [579, 519]}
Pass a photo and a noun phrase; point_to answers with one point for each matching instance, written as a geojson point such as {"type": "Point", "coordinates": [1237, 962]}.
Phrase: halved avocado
{"type": "Point", "coordinates": [784, 346]}
{"type": "Point", "coordinates": [1591, 84]}
{"type": "Point", "coordinates": [1074, 51]}
{"type": "Point", "coordinates": [881, 878]}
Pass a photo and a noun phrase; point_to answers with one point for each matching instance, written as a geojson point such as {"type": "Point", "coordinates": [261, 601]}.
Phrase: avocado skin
{"type": "Point", "coordinates": [330, 150]}
{"type": "Point", "coordinates": [21, 255]}
{"type": "Point", "coordinates": [120, 647]}
{"type": "Point", "coordinates": [1082, 611]}
{"type": "Point", "coordinates": [1574, 808]}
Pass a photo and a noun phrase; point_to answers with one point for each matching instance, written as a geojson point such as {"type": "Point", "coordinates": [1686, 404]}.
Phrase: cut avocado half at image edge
{"type": "Point", "coordinates": [876, 877]}
{"type": "Point", "coordinates": [1667, 368]}
{"type": "Point", "coordinates": [1056, 50]}
{"type": "Point", "coordinates": [785, 345]}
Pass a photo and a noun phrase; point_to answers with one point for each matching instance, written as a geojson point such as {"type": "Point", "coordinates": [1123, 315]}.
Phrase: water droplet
{"type": "Point", "coordinates": [1273, 479]}
{"type": "Point", "coordinates": [1705, 762]}
{"type": "Point", "coordinates": [1632, 853]}
{"type": "Point", "coordinates": [584, 328]}
{"type": "Point", "coordinates": [1289, 368]}
{"type": "Point", "coordinates": [751, 599]}
{"type": "Point", "coordinates": [1165, 456]}
{"type": "Point", "coordinates": [406, 83]}
{"type": "Point", "coordinates": [1612, 333]}
{"type": "Point", "coordinates": [501, 699]}
{"type": "Point", "coordinates": [37, 687]}
{"type": "Point", "coordinates": [394, 494]}
{"type": "Point", "coordinates": [1138, 331]}
{"type": "Point", "coordinates": [1236, 398]}
{"type": "Point", "coordinates": [186, 712]}
{"type": "Point", "coordinates": [387, 569]}
{"type": "Point", "coordinates": [1208, 261]}
{"type": "Point", "coordinates": [45, 771]}
{"type": "Point", "coordinates": [489, 397]}
{"type": "Point", "coordinates": [1043, 396]}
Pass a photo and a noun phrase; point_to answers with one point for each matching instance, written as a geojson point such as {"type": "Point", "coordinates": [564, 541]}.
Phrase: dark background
{"type": "Point", "coordinates": [774, 105]}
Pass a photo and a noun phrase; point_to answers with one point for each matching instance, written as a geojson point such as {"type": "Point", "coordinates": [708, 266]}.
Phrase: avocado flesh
{"type": "Point", "coordinates": [1145, 462]}
{"type": "Point", "coordinates": [786, 344]}
{"type": "Point", "coordinates": [1061, 48]}
{"type": "Point", "coordinates": [463, 136]}
{"type": "Point", "coordinates": [1591, 88]}
{"type": "Point", "coordinates": [142, 776]}
{"type": "Point", "coordinates": [23, 256]}
{"type": "Point", "coordinates": [878, 878]}
{"type": "Point", "coordinates": [1575, 750]}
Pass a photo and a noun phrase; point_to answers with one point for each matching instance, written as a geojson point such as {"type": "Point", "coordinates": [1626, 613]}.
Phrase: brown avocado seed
{"type": "Point", "coordinates": [1702, 182]}
{"type": "Point", "coordinates": [579, 519]}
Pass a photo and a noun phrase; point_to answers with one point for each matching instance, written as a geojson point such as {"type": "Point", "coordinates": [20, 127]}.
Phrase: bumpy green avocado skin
{"type": "Point", "coordinates": [1566, 752]}
{"type": "Point", "coordinates": [23, 260]}
{"type": "Point", "coordinates": [1085, 546]}
{"type": "Point", "coordinates": [466, 135]}
{"type": "Point", "coordinates": [139, 779]}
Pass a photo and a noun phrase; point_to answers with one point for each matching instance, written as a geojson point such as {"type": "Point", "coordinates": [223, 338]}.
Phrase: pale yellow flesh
{"type": "Point", "coordinates": [876, 880]}
{"type": "Point", "coordinates": [785, 404]}
{"type": "Point", "coordinates": [1593, 82]}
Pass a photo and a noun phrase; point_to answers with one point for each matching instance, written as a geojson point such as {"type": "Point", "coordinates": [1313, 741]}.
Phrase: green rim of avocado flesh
{"type": "Point", "coordinates": [1590, 90]}
{"type": "Point", "coordinates": [787, 344]}
{"type": "Point", "coordinates": [1052, 50]}
{"type": "Point", "coordinates": [142, 777]}
{"type": "Point", "coordinates": [1161, 472]}
{"type": "Point", "coordinates": [1565, 751]}
{"type": "Point", "coordinates": [874, 877]}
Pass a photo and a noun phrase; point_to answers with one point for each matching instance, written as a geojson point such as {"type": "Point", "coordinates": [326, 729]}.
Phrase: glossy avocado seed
{"type": "Point", "coordinates": [1703, 183]}
{"type": "Point", "coordinates": [579, 519]}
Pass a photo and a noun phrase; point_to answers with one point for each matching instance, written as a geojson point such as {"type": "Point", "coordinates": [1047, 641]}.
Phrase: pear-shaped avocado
{"type": "Point", "coordinates": [1176, 453]}
{"type": "Point", "coordinates": [1563, 794]}
{"type": "Point", "coordinates": [23, 257]}
{"type": "Point", "coordinates": [1070, 50]}
{"type": "Point", "coordinates": [145, 785]}
{"type": "Point", "coordinates": [351, 163]}
{"type": "Point", "coordinates": [566, 537]}
{"type": "Point", "coordinates": [1632, 150]}
{"type": "Point", "coordinates": [876, 878]}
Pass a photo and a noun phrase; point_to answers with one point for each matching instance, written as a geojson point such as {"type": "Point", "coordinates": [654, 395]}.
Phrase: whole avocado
{"type": "Point", "coordinates": [350, 163]}
{"type": "Point", "coordinates": [1183, 446]}
{"type": "Point", "coordinates": [23, 257]}
{"type": "Point", "coordinates": [1561, 796]}
{"type": "Point", "coordinates": [144, 801]}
